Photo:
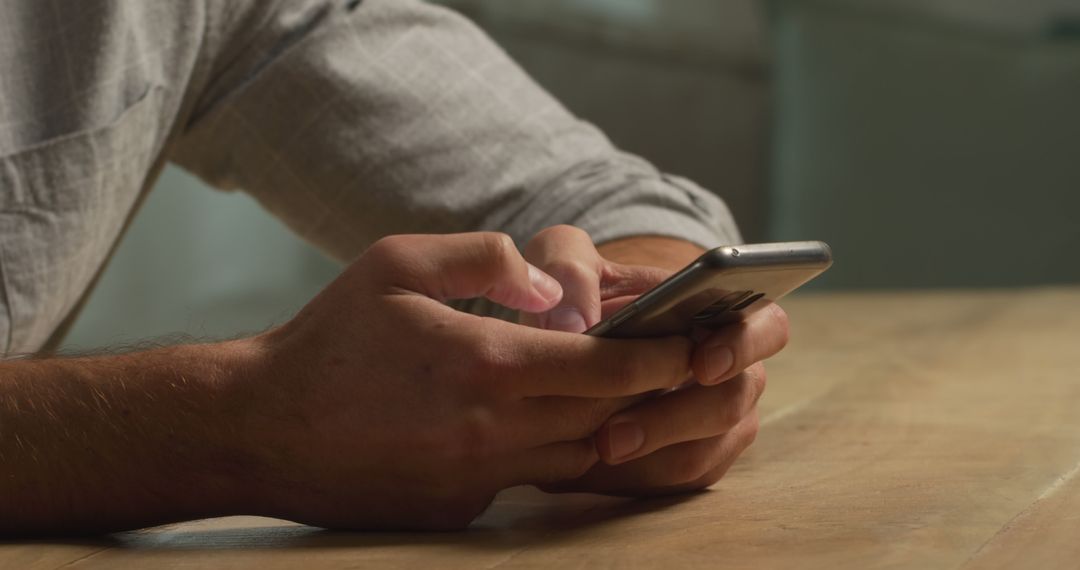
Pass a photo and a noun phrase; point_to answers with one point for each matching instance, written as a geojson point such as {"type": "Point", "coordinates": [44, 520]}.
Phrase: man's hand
{"type": "Point", "coordinates": [683, 440]}
{"type": "Point", "coordinates": [389, 409]}
{"type": "Point", "coordinates": [376, 407]}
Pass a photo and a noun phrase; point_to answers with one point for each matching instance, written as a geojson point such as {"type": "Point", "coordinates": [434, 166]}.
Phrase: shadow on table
{"type": "Point", "coordinates": [511, 524]}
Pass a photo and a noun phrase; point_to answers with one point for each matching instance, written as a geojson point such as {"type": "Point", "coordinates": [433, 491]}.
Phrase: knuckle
{"type": "Point", "coordinates": [695, 463]}
{"type": "Point", "coordinates": [498, 252]}
{"type": "Point", "coordinates": [738, 403]}
{"type": "Point", "coordinates": [499, 245]}
{"type": "Point", "coordinates": [385, 251]}
{"type": "Point", "coordinates": [712, 477]}
{"type": "Point", "coordinates": [708, 479]}
{"type": "Point", "coordinates": [571, 270]}
{"type": "Point", "coordinates": [394, 255]}
{"type": "Point", "coordinates": [392, 244]}
{"type": "Point", "coordinates": [626, 371]}
{"type": "Point", "coordinates": [781, 324]}
{"type": "Point", "coordinates": [749, 431]}
{"type": "Point", "coordinates": [665, 364]}
{"type": "Point", "coordinates": [598, 412]}
{"type": "Point", "coordinates": [757, 379]}
{"type": "Point", "coordinates": [724, 457]}
{"type": "Point", "coordinates": [678, 356]}
{"type": "Point", "coordinates": [730, 410]}
{"type": "Point", "coordinates": [581, 418]}
{"type": "Point", "coordinates": [564, 231]}
{"type": "Point", "coordinates": [582, 461]}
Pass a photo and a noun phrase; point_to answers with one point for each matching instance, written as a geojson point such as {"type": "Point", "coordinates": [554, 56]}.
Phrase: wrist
{"type": "Point", "coordinates": [238, 463]}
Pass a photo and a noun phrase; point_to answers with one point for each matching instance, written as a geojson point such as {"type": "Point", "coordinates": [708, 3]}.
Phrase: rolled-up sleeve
{"type": "Point", "coordinates": [354, 120]}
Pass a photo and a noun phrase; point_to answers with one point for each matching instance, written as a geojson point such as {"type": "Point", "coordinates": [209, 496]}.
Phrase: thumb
{"type": "Point", "coordinates": [464, 266]}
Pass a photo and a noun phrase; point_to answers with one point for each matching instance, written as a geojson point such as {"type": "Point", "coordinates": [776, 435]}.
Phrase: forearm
{"type": "Point", "coordinates": [116, 442]}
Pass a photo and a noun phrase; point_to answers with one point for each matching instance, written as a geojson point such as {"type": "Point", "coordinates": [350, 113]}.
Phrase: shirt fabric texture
{"type": "Point", "coordinates": [348, 120]}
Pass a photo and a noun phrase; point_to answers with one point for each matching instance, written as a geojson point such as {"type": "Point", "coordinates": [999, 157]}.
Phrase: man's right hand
{"type": "Point", "coordinates": [380, 407]}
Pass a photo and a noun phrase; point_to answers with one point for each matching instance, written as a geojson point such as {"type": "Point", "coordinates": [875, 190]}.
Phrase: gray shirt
{"type": "Point", "coordinates": [348, 120]}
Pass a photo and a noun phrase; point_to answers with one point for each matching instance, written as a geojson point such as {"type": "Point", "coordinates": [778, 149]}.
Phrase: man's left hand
{"type": "Point", "coordinates": [683, 440]}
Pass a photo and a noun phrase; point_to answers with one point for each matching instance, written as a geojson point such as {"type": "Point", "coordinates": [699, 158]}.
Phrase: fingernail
{"type": "Point", "coordinates": [567, 319]}
{"type": "Point", "coordinates": [624, 438]}
{"type": "Point", "coordinates": [718, 361]}
{"type": "Point", "coordinates": [545, 284]}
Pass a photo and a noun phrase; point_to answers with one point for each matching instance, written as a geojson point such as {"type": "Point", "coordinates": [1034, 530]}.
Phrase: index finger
{"type": "Point", "coordinates": [568, 254]}
{"type": "Point", "coordinates": [552, 363]}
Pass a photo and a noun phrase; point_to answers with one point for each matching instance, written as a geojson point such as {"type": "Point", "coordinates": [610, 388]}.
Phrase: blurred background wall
{"type": "Point", "coordinates": [931, 142]}
{"type": "Point", "coordinates": [934, 143]}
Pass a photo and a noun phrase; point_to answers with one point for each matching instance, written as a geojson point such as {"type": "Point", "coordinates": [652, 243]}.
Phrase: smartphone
{"type": "Point", "coordinates": [724, 285]}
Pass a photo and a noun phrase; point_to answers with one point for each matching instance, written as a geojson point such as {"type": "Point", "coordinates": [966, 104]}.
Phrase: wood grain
{"type": "Point", "coordinates": [901, 430]}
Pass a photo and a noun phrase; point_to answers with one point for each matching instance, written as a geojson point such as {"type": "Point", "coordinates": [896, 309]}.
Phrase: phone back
{"type": "Point", "coordinates": [722, 286]}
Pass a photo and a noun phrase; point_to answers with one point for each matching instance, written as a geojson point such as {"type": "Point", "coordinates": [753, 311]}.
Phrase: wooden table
{"type": "Point", "coordinates": [925, 430]}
